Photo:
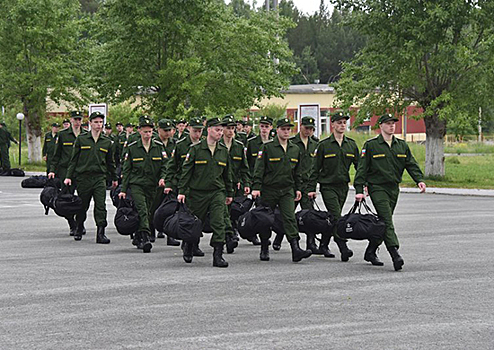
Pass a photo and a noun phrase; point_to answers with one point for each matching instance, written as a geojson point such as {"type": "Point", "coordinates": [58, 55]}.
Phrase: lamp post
{"type": "Point", "coordinates": [20, 118]}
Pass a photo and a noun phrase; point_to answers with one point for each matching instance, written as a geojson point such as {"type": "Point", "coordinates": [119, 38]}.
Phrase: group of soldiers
{"type": "Point", "coordinates": [207, 163]}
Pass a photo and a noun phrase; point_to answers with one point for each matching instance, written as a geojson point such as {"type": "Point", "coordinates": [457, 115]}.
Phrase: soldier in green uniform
{"type": "Point", "coordinates": [254, 145]}
{"type": "Point", "coordinates": [62, 155]}
{"type": "Point", "coordinates": [239, 131]}
{"type": "Point", "coordinates": [5, 138]}
{"type": "Point", "coordinates": [381, 166]}
{"type": "Point", "coordinates": [66, 124]}
{"type": "Point", "coordinates": [165, 127]}
{"type": "Point", "coordinates": [85, 126]}
{"type": "Point", "coordinates": [174, 167]}
{"type": "Point", "coordinates": [181, 132]}
{"type": "Point", "coordinates": [248, 129]}
{"type": "Point", "coordinates": [334, 156]}
{"type": "Point", "coordinates": [123, 139]}
{"type": "Point", "coordinates": [240, 174]}
{"type": "Point", "coordinates": [91, 161]}
{"type": "Point", "coordinates": [49, 145]}
{"type": "Point", "coordinates": [278, 179]}
{"type": "Point", "coordinates": [143, 172]}
{"type": "Point", "coordinates": [207, 180]}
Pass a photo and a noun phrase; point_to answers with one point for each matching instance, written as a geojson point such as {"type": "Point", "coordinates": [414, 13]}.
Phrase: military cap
{"type": "Point", "coordinates": [386, 118]}
{"type": "Point", "coordinates": [266, 120]}
{"type": "Point", "coordinates": [213, 122]}
{"type": "Point", "coordinates": [249, 122]}
{"type": "Point", "coordinates": [181, 121]}
{"type": "Point", "coordinates": [196, 123]}
{"type": "Point", "coordinates": [118, 123]}
{"type": "Point", "coordinates": [339, 115]}
{"type": "Point", "coordinates": [96, 114]}
{"type": "Point", "coordinates": [240, 121]}
{"type": "Point", "coordinates": [228, 121]}
{"type": "Point", "coordinates": [108, 126]}
{"type": "Point", "coordinates": [283, 122]}
{"type": "Point", "coordinates": [55, 125]}
{"type": "Point", "coordinates": [129, 125]}
{"type": "Point", "coordinates": [76, 114]}
{"type": "Point", "coordinates": [66, 121]}
{"type": "Point", "coordinates": [145, 121]}
{"type": "Point", "coordinates": [309, 121]}
{"type": "Point", "coordinates": [165, 124]}
{"type": "Point", "coordinates": [203, 118]}
{"type": "Point", "coordinates": [3, 124]}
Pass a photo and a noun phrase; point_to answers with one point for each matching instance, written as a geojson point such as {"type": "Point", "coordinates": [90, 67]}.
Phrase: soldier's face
{"type": "Point", "coordinates": [146, 132]}
{"type": "Point", "coordinates": [96, 124]}
{"type": "Point", "coordinates": [119, 128]}
{"type": "Point", "coordinates": [54, 129]}
{"type": "Point", "coordinates": [66, 125]}
{"type": "Point", "coordinates": [229, 131]}
{"type": "Point", "coordinates": [165, 134]}
{"type": "Point", "coordinates": [247, 129]}
{"type": "Point", "coordinates": [76, 122]}
{"type": "Point", "coordinates": [284, 132]}
{"type": "Point", "coordinates": [306, 131]}
{"type": "Point", "coordinates": [129, 129]}
{"type": "Point", "coordinates": [388, 128]}
{"type": "Point", "coordinates": [108, 131]}
{"type": "Point", "coordinates": [215, 132]}
{"type": "Point", "coordinates": [195, 133]}
{"type": "Point", "coordinates": [265, 129]}
{"type": "Point", "coordinates": [339, 126]}
{"type": "Point", "coordinates": [240, 127]}
{"type": "Point", "coordinates": [181, 127]}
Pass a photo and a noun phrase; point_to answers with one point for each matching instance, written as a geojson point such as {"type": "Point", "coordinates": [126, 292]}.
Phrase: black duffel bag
{"type": "Point", "coordinates": [315, 221]}
{"type": "Point", "coordinates": [126, 218]}
{"type": "Point", "coordinates": [67, 204]}
{"type": "Point", "coordinates": [359, 226]}
{"type": "Point", "coordinates": [16, 172]}
{"type": "Point", "coordinates": [49, 193]}
{"type": "Point", "coordinates": [36, 181]}
{"type": "Point", "coordinates": [167, 208]}
{"type": "Point", "coordinates": [278, 222]}
{"type": "Point", "coordinates": [240, 205]}
{"type": "Point", "coordinates": [183, 225]}
{"type": "Point", "coordinates": [259, 219]}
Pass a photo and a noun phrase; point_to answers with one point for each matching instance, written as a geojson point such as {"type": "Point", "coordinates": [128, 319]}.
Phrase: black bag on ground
{"type": "Point", "coordinates": [167, 208]}
{"type": "Point", "coordinates": [67, 204]}
{"type": "Point", "coordinates": [36, 181]}
{"type": "Point", "coordinates": [356, 225]}
{"type": "Point", "coordinates": [126, 218]}
{"type": "Point", "coordinates": [240, 205]}
{"type": "Point", "coordinates": [314, 221]}
{"type": "Point", "coordinates": [183, 225]}
{"type": "Point", "coordinates": [17, 172]}
{"type": "Point", "coordinates": [48, 194]}
{"type": "Point", "coordinates": [260, 219]}
{"type": "Point", "coordinates": [278, 222]}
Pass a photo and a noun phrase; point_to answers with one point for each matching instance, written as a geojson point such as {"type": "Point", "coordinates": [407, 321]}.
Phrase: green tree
{"type": "Point", "coordinates": [41, 57]}
{"type": "Point", "coordinates": [189, 55]}
{"type": "Point", "coordinates": [436, 54]}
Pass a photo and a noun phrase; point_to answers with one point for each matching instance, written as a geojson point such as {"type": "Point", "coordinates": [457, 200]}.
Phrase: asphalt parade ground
{"type": "Point", "coordinates": [56, 293]}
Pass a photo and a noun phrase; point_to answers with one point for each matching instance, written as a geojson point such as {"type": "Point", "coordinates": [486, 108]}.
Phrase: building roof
{"type": "Point", "coordinates": [309, 89]}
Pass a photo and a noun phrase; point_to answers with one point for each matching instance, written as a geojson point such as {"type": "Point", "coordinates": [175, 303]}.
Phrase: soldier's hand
{"type": "Point", "coordinates": [122, 195]}
{"type": "Point", "coordinates": [67, 182]}
{"type": "Point", "coordinates": [51, 175]}
{"type": "Point", "coordinates": [256, 194]}
{"type": "Point", "coordinates": [229, 200]}
{"type": "Point", "coordinates": [114, 184]}
{"type": "Point", "coordinates": [246, 190]}
{"type": "Point", "coordinates": [44, 158]}
{"type": "Point", "coordinates": [161, 183]}
{"type": "Point", "coordinates": [359, 197]}
{"type": "Point", "coordinates": [298, 196]}
{"type": "Point", "coordinates": [167, 190]}
{"type": "Point", "coordinates": [181, 198]}
{"type": "Point", "coordinates": [238, 186]}
{"type": "Point", "coordinates": [312, 195]}
{"type": "Point", "coordinates": [422, 187]}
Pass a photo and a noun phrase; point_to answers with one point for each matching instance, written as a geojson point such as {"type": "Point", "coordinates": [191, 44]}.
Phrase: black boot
{"type": "Point", "coordinates": [152, 236]}
{"type": "Point", "coordinates": [196, 251]}
{"type": "Point", "coordinates": [218, 260]}
{"type": "Point", "coordinates": [398, 261]}
{"type": "Point", "coordinates": [231, 244]}
{"type": "Point", "coordinates": [277, 241]}
{"type": "Point", "coordinates": [264, 256]}
{"type": "Point", "coordinates": [161, 235]}
{"type": "Point", "coordinates": [255, 240]}
{"type": "Point", "coordinates": [78, 231]}
{"type": "Point", "coordinates": [146, 244]}
{"type": "Point", "coordinates": [136, 239]}
{"type": "Point", "coordinates": [101, 237]}
{"type": "Point", "coordinates": [370, 254]}
{"type": "Point", "coordinates": [324, 246]}
{"type": "Point", "coordinates": [171, 241]}
{"type": "Point", "coordinates": [345, 252]}
{"type": "Point", "coordinates": [188, 249]}
{"type": "Point", "coordinates": [72, 226]}
{"type": "Point", "coordinates": [297, 253]}
{"type": "Point", "coordinates": [311, 244]}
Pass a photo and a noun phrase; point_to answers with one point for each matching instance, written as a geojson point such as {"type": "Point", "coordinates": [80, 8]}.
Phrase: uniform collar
{"type": "Point", "coordinates": [276, 142]}
{"type": "Point", "coordinates": [380, 139]}
{"type": "Point", "coordinates": [333, 139]}
{"type": "Point", "coordinates": [140, 144]}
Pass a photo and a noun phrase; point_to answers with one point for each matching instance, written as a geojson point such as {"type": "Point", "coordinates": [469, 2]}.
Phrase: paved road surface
{"type": "Point", "coordinates": [56, 293]}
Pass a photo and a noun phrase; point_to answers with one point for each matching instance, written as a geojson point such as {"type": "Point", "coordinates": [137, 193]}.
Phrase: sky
{"type": "Point", "coordinates": [307, 6]}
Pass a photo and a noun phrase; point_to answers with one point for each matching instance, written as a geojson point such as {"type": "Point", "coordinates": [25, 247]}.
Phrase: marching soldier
{"type": "Point", "coordinates": [91, 161]}
{"type": "Point", "coordinates": [49, 145]}
{"type": "Point", "coordinates": [334, 156]}
{"type": "Point", "coordinates": [278, 179]}
{"type": "Point", "coordinates": [254, 145]}
{"type": "Point", "coordinates": [63, 153]}
{"type": "Point", "coordinates": [206, 182]}
{"type": "Point", "coordinates": [381, 166]}
{"type": "Point", "coordinates": [181, 130]}
{"type": "Point", "coordinates": [239, 131]}
{"type": "Point", "coordinates": [143, 172]}
{"type": "Point", "coordinates": [248, 129]}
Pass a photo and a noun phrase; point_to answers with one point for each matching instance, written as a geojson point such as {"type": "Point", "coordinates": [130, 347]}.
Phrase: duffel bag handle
{"type": "Point", "coordinates": [364, 204]}
{"type": "Point", "coordinates": [313, 200]}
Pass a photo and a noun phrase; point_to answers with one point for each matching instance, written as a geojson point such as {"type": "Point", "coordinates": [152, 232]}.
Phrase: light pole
{"type": "Point", "coordinates": [20, 118]}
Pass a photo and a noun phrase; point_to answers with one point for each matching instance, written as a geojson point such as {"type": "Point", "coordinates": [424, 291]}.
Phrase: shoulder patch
{"type": "Point", "coordinates": [132, 143]}
{"type": "Point", "coordinates": [158, 142]}
{"type": "Point", "coordinates": [252, 138]}
{"type": "Point", "coordinates": [269, 141]}
{"type": "Point", "coordinates": [181, 140]}
{"type": "Point", "coordinates": [239, 142]}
